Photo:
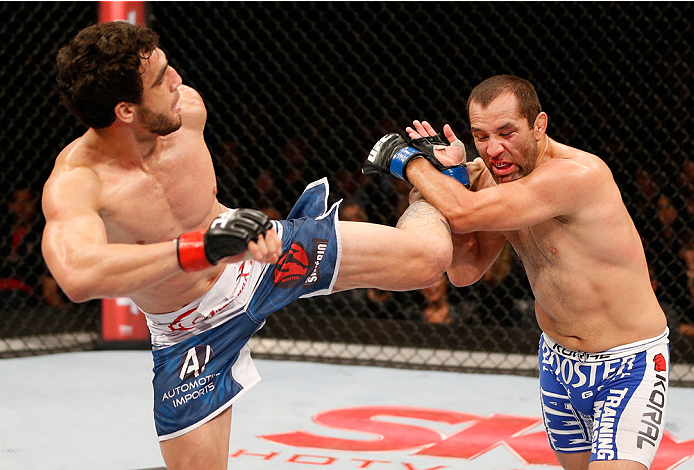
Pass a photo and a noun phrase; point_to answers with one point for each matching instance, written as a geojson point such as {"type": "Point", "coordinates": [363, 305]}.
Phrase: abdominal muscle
{"type": "Point", "coordinates": [595, 323]}
{"type": "Point", "coordinates": [591, 292]}
{"type": "Point", "coordinates": [177, 291]}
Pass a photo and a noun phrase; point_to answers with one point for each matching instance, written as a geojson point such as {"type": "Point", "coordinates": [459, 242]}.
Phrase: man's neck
{"type": "Point", "coordinates": [125, 144]}
{"type": "Point", "coordinates": [544, 152]}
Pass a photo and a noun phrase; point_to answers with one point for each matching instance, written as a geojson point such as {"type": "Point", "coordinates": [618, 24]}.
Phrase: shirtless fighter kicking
{"type": "Point", "coordinates": [131, 211]}
{"type": "Point", "coordinates": [604, 358]}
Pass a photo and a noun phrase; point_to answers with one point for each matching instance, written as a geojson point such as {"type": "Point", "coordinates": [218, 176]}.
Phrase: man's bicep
{"type": "Point", "coordinates": [79, 229]}
{"type": "Point", "coordinates": [556, 189]}
{"type": "Point", "coordinates": [72, 219]}
{"type": "Point", "coordinates": [536, 198]}
{"type": "Point", "coordinates": [491, 245]}
{"type": "Point", "coordinates": [68, 240]}
{"type": "Point", "coordinates": [473, 254]}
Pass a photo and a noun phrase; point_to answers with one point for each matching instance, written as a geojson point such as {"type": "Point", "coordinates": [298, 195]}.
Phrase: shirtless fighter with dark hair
{"type": "Point", "coordinates": [131, 211]}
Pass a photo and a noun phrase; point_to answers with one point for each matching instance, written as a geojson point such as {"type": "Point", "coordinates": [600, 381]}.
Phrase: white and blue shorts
{"type": "Point", "coordinates": [610, 403]}
{"type": "Point", "coordinates": [202, 361]}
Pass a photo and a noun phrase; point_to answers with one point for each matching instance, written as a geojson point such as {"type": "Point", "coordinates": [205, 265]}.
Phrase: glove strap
{"type": "Point", "coordinates": [458, 172]}
{"type": "Point", "coordinates": [191, 251]}
{"type": "Point", "coordinates": [400, 159]}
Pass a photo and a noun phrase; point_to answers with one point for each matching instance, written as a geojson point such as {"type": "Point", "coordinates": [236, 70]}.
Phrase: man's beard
{"type": "Point", "coordinates": [159, 123]}
{"type": "Point", "coordinates": [530, 154]}
{"type": "Point", "coordinates": [525, 165]}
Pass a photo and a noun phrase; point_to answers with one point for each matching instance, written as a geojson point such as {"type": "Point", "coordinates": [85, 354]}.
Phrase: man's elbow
{"type": "Point", "coordinates": [77, 295]}
{"type": "Point", "coordinates": [464, 277]}
{"type": "Point", "coordinates": [78, 289]}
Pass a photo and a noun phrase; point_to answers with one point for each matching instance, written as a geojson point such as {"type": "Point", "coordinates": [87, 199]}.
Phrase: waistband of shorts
{"type": "Point", "coordinates": [161, 318]}
{"type": "Point", "coordinates": [612, 353]}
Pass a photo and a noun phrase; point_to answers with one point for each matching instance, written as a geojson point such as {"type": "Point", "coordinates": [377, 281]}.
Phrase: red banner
{"type": "Point", "coordinates": [132, 12]}
{"type": "Point", "coordinates": [120, 319]}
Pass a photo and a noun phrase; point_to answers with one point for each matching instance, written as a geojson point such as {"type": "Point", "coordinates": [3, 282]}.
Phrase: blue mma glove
{"type": "Point", "coordinates": [392, 154]}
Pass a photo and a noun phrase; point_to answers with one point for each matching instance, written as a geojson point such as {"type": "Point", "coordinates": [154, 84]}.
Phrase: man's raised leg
{"type": "Point", "coordinates": [412, 256]}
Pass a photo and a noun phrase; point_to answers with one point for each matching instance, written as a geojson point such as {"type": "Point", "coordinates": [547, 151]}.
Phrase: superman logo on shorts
{"type": "Point", "coordinates": [292, 267]}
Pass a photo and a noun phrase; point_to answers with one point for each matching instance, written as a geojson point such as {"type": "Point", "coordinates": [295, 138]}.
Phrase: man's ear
{"type": "Point", "coordinates": [125, 112]}
{"type": "Point", "coordinates": [540, 126]}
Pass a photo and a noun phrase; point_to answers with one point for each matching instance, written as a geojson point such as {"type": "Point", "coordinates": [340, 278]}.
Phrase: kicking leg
{"type": "Point", "coordinates": [412, 256]}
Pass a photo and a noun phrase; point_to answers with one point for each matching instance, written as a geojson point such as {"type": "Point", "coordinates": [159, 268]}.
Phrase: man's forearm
{"type": "Point", "coordinates": [112, 270]}
{"type": "Point", "coordinates": [440, 191]}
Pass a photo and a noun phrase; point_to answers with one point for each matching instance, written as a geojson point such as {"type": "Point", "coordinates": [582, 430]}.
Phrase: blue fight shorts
{"type": "Point", "coordinates": [610, 403]}
{"type": "Point", "coordinates": [202, 362]}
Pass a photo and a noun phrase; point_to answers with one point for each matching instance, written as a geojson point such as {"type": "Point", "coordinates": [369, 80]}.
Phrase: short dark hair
{"type": "Point", "coordinates": [102, 66]}
{"type": "Point", "coordinates": [523, 90]}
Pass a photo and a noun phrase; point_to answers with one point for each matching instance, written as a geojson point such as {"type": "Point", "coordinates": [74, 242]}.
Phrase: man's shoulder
{"type": "Point", "coordinates": [75, 158]}
{"type": "Point", "coordinates": [190, 95]}
{"type": "Point", "coordinates": [575, 179]}
{"type": "Point", "coordinates": [570, 160]}
{"type": "Point", "coordinates": [74, 169]}
{"type": "Point", "coordinates": [566, 152]}
{"type": "Point", "coordinates": [193, 111]}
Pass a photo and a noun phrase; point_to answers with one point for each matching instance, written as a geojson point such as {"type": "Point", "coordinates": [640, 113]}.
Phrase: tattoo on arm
{"type": "Point", "coordinates": [421, 213]}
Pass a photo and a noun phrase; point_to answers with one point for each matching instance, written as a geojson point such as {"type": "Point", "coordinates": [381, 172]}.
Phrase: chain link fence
{"type": "Point", "coordinates": [298, 91]}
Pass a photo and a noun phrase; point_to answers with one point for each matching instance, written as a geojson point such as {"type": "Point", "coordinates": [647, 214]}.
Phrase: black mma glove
{"type": "Point", "coordinates": [228, 235]}
{"type": "Point", "coordinates": [392, 154]}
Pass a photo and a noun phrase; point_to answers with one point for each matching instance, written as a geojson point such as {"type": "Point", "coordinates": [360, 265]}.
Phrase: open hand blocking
{"type": "Point", "coordinates": [392, 154]}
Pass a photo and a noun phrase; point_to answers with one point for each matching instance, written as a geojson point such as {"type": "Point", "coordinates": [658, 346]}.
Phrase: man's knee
{"type": "Point", "coordinates": [433, 261]}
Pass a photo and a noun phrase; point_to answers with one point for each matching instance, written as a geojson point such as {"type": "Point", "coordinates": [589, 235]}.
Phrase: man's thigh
{"type": "Point", "coordinates": [204, 448]}
{"type": "Point", "coordinates": [569, 432]}
{"type": "Point", "coordinates": [573, 461]}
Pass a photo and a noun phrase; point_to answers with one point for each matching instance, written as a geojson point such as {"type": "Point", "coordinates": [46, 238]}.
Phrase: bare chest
{"type": "Point", "coordinates": [172, 193]}
{"type": "Point", "coordinates": [546, 248]}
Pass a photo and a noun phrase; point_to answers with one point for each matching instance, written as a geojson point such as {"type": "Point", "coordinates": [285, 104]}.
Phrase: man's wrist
{"type": "Point", "coordinates": [416, 166]}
